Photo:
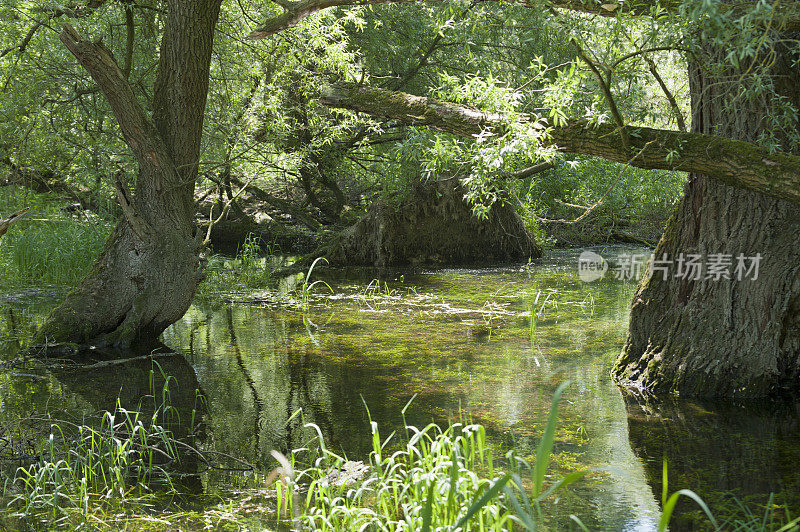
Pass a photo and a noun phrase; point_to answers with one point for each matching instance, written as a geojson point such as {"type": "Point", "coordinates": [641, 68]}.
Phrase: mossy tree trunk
{"type": "Point", "coordinates": [148, 272]}
{"type": "Point", "coordinates": [726, 337]}
{"type": "Point", "coordinates": [434, 225]}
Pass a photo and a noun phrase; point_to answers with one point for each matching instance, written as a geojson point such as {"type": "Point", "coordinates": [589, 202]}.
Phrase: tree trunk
{"type": "Point", "coordinates": [434, 225]}
{"type": "Point", "coordinates": [149, 270]}
{"type": "Point", "coordinates": [735, 162]}
{"type": "Point", "coordinates": [732, 338]}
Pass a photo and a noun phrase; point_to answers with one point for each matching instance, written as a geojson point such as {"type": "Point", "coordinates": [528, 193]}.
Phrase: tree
{"type": "Point", "coordinates": [148, 273]}
{"type": "Point", "coordinates": [716, 335]}
{"type": "Point", "coordinates": [712, 336]}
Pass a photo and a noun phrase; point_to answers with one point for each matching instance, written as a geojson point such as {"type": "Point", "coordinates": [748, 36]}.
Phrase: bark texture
{"type": "Point", "coordinates": [732, 160]}
{"type": "Point", "coordinates": [149, 270]}
{"type": "Point", "coordinates": [723, 337]}
{"type": "Point", "coordinates": [434, 225]}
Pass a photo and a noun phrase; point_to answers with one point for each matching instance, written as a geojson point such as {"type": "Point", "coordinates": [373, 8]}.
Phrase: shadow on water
{"type": "Point", "coordinates": [142, 384]}
{"type": "Point", "coordinates": [729, 454]}
{"type": "Point", "coordinates": [40, 393]}
{"type": "Point", "coordinates": [466, 346]}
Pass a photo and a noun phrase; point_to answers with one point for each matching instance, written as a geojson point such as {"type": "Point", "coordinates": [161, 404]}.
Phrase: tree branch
{"type": "Point", "coordinates": [5, 224]}
{"type": "Point", "coordinates": [673, 104]}
{"type": "Point", "coordinates": [47, 182]}
{"type": "Point", "coordinates": [786, 14]}
{"type": "Point", "coordinates": [294, 12]}
{"type": "Point", "coordinates": [734, 162]}
{"type": "Point", "coordinates": [605, 87]}
{"type": "Point", "coordinates": [130, 34]}
{"type": "Point", "coordinates": [74, 11]}
{"type": "Point", "coordinates": [137, 128]}
{"type": "Point", "coordinates": [531, 170]}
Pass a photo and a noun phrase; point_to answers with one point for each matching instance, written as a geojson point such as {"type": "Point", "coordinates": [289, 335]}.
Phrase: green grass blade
{"type": "Point", "coordinates": [564, 482]}
{"type": "Point", "coordinates": [792, 525]}
{"type": "Point", "coordinates": [577, 521]}
{"type": "Point", "coordinates": [545, 448]}
{"type": "Point", "coordinates": [669, 507]}
{"type": "Point", "coordinates": [524, 514]}
{"type": "Point", "coordinates": [427, 511]}
{"type": "Point", "coordinates": [481, 501]}
{"type": "Point", "coordinates": [453, 480]}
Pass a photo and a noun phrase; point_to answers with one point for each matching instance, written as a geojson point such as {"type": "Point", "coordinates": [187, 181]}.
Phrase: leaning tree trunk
{"type": "Point", "coordinates": [149, 270]}
{"type": "Point", "coordinates": [734, 338]}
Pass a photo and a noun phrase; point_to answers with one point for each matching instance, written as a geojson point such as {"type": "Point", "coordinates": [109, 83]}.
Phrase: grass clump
{"type": "Point", "coordinates": [49, 245]}
{"type": "Point", "coordinates": [432, 479]}
{"type": "Point", "coordinates": [80, 473]}
{"type": "Point", "coordinates": [83, 468]}
{"type": "Point", "coordinates": [436, 477]}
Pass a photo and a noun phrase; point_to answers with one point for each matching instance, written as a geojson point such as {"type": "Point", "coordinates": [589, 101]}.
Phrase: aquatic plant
{"type": "Point", "coordinates": [87, 469]}
{"type": "Point", "coordinates": [442, 477]}
{"type": "Point", "coordinates": [307, 286]}
{"type": "Point", "coordinates": [744, 520]}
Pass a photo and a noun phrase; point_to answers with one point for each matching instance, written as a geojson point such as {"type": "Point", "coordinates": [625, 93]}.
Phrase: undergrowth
{"type": "Point", "coordinates": [430, 478]}
{"type": "Point", "coordinates": [48, 246]}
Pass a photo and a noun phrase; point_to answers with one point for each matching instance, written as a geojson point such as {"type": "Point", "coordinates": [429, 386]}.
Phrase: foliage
{"type": "Point", "coordinates": [263, 122]}
{"type": "Point", "coordinates": [90, 468]}
{"type": "Point", "coordinates": [626, 200]}
{"type": "Point", "coordinates": [49, 246]}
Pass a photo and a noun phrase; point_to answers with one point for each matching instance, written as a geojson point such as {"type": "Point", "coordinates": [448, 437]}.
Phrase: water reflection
{"type": "Point", "coordinates": [463, 345]}
{"type": "Point", "coordinates": [144, 383]}
{"type": "Point", "coordinates": [727, 453]}
{"type": "Point", "coordinates": [460, 343]}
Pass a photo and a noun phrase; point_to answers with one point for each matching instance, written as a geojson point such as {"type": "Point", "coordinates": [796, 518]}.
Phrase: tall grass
{"type": "Point", "coordinates": [435, 477]}
{"type": "Point", "coordinates": [49, 246]}
{"type": "Point", "coordinates": [84, 470]}
{"type": "Point", "coordinates": [55, 252]}
{"type": "Point", "coordinates": [102, 464]}
{"type": "Point", "coordinates": [415, 479]}
{"type": "Point", "coordinates": [251, 267]}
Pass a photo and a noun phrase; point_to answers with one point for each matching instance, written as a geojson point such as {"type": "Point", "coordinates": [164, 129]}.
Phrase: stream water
{"type": "Point", "coordinates": [461, 344]}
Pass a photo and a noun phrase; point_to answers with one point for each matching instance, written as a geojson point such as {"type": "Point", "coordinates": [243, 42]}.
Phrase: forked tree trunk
{"type": "Point", "coordinates": [149, 270]}
{"type": "Point", "coordinates": [733, 338]}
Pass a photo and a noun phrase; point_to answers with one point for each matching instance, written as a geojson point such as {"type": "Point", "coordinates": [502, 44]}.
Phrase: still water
{"type": "Point", "coordinates": [456, 344]}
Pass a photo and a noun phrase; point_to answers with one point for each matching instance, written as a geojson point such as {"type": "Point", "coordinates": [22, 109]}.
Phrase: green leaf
{"type": "Point", "coordinates": [480, 502]}
{"type": "Point", "coordinates": [669, 507]}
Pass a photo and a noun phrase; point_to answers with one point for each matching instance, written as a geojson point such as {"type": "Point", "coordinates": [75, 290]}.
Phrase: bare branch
{"type": "Point", "coordinates": [212, 222]}
{"type": "Point", "coordinates": [129, 38]}
{"type": "Point", "coordinates": [531, 170]}
{"type": "Point", "coordinates": [605, 87]}
{"type": "Point", "coordinates": [673, 104]}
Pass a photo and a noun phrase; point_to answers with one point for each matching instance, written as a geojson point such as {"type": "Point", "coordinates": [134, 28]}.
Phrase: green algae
{"type": "Point", "coordinates": [459, 342]}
